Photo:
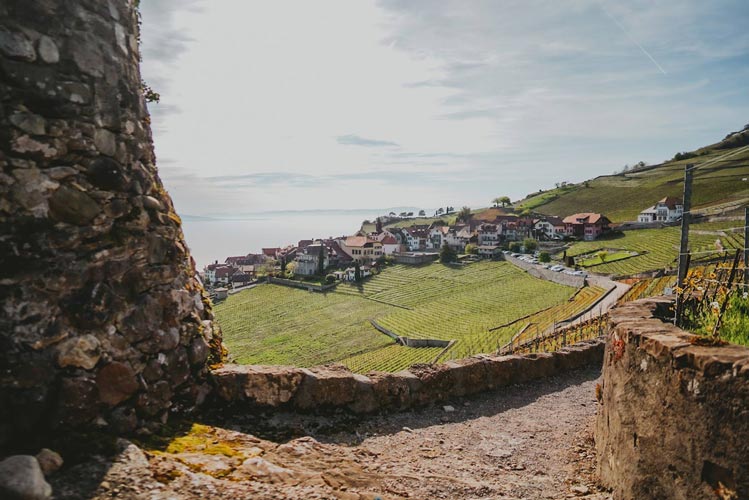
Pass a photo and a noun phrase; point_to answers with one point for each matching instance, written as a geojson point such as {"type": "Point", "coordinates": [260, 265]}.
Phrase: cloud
{"type": "Point", "coordinates": [355, 140]}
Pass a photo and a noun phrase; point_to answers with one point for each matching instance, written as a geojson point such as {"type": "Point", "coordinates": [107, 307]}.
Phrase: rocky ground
{"type": "Point", "coordinates": [530, 442]}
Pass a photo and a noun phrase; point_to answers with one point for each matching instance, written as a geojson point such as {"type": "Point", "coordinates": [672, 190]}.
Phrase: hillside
{"type": "Point", "coordinates": [622, 196]}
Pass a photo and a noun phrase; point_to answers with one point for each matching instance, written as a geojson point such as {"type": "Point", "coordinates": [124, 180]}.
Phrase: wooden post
{"type": "Point", "coordinates": [729, 286]}
{"type": "Point", "coordinates": [685, 219]}
{"type": "Point", "coordinates": [684, 244]}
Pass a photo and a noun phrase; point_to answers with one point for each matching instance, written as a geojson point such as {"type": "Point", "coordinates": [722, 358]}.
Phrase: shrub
{"type": "Point", "coordinates": [329, 279]}
{"type": "Point", "coordinates": [544, 257]}
{"type": "Point", "coordinates": [530, 245]}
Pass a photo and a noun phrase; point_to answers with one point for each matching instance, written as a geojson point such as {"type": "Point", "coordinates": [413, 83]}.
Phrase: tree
{"type": "Point", "coordinates": [422, 213]}
{"type": "Point", "coordinates": [330, 278]}
{"type": "Point", "coordinates": [502, 200]}
{"type": "Point", "coordinates": [603, 255]}
{"type": "Point", "coordinates": [471, 249]}
{"type": "Point", "coordinates": [392, 214]}
{"type": "Point", "coordinates": [464, 214]}
{"type": "Point", "coordinates": [357, 272]}
{"type": "Point", "coordinates": [544, 257]}
{"type": "Point", "coordinates": [290, 269]}
{"type": "Point", "coordinates": [321, 260]}
{"type": "Point", "coordinates": [378, 225]}
{"type": "Point", "coordinates": [530, 245]}
{"type": "Point", "coordinates": [410, 214]}
{"type": "Point", "coordinates": [440, 211]}
{"type": "Point", "coordinates": [283, 264]}
{"type": "Point", "coordinates": [515, 246]}
{"type": "Point", "coordinates": [447, 254]}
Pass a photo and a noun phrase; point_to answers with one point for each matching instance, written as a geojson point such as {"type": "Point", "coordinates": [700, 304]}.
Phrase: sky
{"type": "Point", "coordinates": [341, 104]}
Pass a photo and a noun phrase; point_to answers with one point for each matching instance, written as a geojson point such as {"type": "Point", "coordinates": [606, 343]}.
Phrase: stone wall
{"type": "Point", "coordinates": [102, 320]}
{"type": "Point", "coordinates": [244, 388]}
{"type": "Point", "coordinates": [674, 416]}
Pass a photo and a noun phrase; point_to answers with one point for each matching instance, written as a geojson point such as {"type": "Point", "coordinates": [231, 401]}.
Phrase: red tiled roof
{"type": "Point", "coordinates": [389, 240]}
{"type": "Point", "coordinates": [270, 252]}
{"type": "Point", "coordinates": [585, 218]}
{"type": "Point", "coordinates": [670, 202]}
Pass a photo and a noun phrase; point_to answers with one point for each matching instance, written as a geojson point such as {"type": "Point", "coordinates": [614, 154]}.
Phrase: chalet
{"type": "Point", "coordinates": [307, 262]}
{"type": "Point", "coordinates": [222, 274]}
{"type": "Point", "coordinates": [586, 225]}
{"type": "Point", "coordinates": [550, 228]}
{"type": "Point", "coordinates": [361, 248]}
{"type": "Point", "coordinates": [669, 209]}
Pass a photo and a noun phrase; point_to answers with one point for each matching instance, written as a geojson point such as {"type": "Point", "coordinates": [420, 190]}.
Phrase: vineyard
{"type": "Point", "coordinates": [478, 305]}
{"type": "Point", "coordinates": [658, 248]}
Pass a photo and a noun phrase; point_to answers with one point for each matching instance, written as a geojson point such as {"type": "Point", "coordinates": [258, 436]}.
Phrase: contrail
{"type": "Point", "coordinates": [660, 68]}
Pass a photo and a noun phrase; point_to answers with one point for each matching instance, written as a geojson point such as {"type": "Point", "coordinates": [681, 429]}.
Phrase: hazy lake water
{"type": "Point", "coordinates": [213, 239]}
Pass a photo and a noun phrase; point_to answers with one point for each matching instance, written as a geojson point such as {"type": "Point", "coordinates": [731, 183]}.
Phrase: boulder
{"type": "Point", "coordinates": [21, 478]}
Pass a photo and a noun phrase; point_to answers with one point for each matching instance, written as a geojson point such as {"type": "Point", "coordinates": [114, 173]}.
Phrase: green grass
{"type": "Point", "coordinates": [622, 197]}
{"type": "Point", "coordinates": [271, 324]}
{"type": "Point", "coordinates": [657, 248]}
{"type": "Point", "coordinates": [596, 259]}
{"type": "Point", "coordinates": [418, 221]}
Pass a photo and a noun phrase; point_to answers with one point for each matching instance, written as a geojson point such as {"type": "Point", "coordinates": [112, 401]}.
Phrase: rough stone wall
{"type": "Point", "coordinates": [102, 321]}
{"type": "Point", "coordinates": [246, 388]}
{"type": "Point", "coordinates": [674, 416]}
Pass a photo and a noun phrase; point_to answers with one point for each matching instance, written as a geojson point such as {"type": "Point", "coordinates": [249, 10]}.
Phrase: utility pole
{"type": "Point", "coordinates": [685, 218]}
{"type": "Point", "coordinates": [684, 245]}
{"type": "Point", "coordinates": [746, 248]}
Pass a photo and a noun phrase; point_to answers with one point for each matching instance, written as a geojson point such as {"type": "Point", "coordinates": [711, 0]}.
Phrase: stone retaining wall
{"type": "Point", "coordinates": [334, 387]}
{"type": "Point", "coordinates": [674, 416]}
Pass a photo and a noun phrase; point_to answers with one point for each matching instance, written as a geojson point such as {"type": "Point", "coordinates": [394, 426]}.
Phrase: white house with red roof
{"type": "Point", "coordinates": [361, 248]}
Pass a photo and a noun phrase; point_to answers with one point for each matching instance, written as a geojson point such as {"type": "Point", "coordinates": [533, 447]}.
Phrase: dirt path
{"type": "Point", "coordinates": [531, 442]}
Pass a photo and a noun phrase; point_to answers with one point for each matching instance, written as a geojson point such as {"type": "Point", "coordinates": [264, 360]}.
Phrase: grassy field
{"type": "Point", "coordinates": [271, 324]}
{"type": "Point", "coordinates": [658, 248]}
{"type": "Point", "coordinates": [621, 197]}
{"type": "Point", "coordinates": [596, 259]}
{"type": "Point", "coordinates": [418, 221]}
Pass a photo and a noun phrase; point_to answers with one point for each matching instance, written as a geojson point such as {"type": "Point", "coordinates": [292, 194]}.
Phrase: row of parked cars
{"type": "Point", "coordinates": [533, 259]}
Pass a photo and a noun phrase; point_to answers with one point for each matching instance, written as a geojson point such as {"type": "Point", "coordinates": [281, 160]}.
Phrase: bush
{"type": "Point", "coordinates": [530, 245]}
{"type": "Point", "coordinates": [329, 279]}
{"type": "Point", "coordinates": [471, 249]}
{"type": "Point", "coordinates": [544, 257]}
{"type": "Point", "coordinates": [515, 246]}
{"type": "Point", "coordinates": [447, 254]}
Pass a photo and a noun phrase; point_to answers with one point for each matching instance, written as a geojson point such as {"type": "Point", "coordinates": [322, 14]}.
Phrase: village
{"type": "Point", "coordinates": [484, 234]}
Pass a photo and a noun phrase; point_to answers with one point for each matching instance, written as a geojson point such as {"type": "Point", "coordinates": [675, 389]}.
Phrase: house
{"type": "Point", "coordinates": [550, 228]}
{"type": "Point", "coordinates": [222, 274]}
{"type": "Point", "coordinates": [336, 255]}
{"type": "Point", "coordinates": [361, 248]}
{"type": "Point", "coordinates": [240, 279]}
{"type": "Point", "coordinates": [669, 209]}
{"type": "Point", "coordinates": [416, 237]}
{"type": "Point", "coordinates": [349, 274]}
{"type": "Point", "coordinates": [307, 263]}
{"type": "Point", "coordinates": [390, 244]}
{"type": "Point", "coordinates": [489, 234]}
{"type": "Point", "coordinates": [489, 251]}
{"type": "Point", "coordinates": [271, 252]}
{"type": "Point", "coordinates": [436, 236]}
{"type": "Point", "coordinates": [586, 225]}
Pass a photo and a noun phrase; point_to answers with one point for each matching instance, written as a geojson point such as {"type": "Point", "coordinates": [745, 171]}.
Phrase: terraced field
{"type": "Point", "coordinates": [277, 325]}
{"type": "Point", "coordinates": [272, 324]}
{"type": "Point", "coordinates": [658, 248]}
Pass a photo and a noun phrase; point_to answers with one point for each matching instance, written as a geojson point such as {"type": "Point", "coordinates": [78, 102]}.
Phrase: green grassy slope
{"type": "Point", "coordinates": [621, 197]}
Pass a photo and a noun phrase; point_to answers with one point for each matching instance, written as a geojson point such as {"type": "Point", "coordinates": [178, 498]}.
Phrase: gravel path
{"type": "Point", "coordinates": [530, 442]}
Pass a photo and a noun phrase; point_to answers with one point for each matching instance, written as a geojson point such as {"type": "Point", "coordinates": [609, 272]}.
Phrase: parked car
{"type": "Point", "coordinates": [556, 268]}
